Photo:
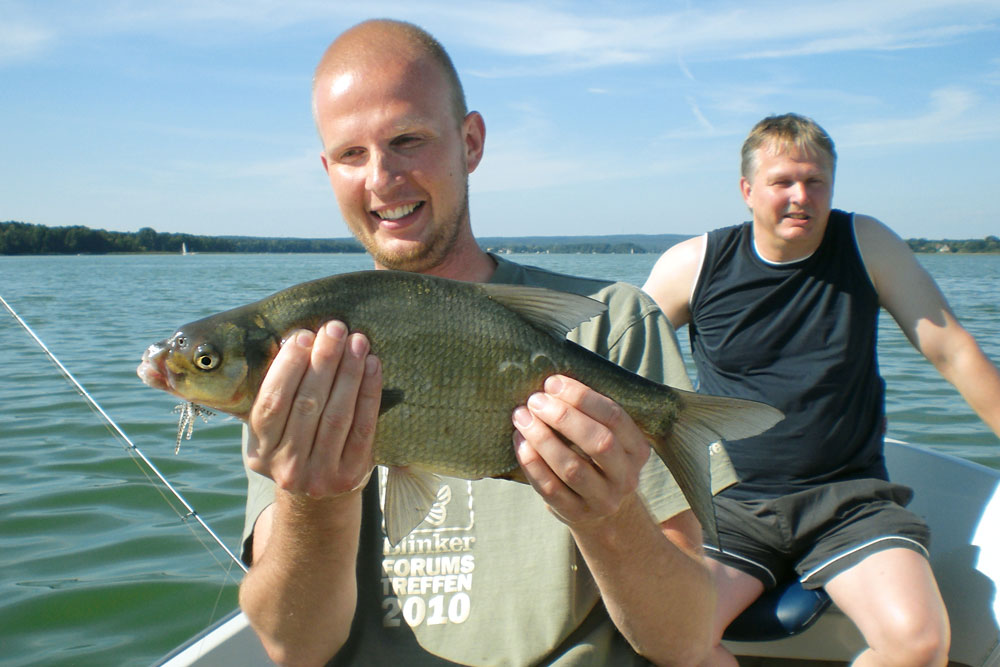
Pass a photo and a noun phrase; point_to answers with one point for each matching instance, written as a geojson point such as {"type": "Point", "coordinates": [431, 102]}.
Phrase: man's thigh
{"type": "Point", "coordinates": [889, 589]}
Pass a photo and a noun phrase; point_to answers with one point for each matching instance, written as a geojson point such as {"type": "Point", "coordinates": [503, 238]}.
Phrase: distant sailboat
{"type": "Point", "coordinates": [184, 248]}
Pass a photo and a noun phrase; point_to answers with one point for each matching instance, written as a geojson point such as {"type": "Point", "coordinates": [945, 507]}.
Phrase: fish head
{"type": "Point", "coordinates": [204, 363]}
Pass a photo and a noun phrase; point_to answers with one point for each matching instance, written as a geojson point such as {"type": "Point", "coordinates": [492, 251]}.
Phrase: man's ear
{"type": "Point", "coordinates": [474, 138]}
{"type": "Point", "coordinates": [745, 190]}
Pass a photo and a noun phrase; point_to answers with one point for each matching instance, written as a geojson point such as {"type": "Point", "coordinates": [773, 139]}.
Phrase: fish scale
{"type": "Point", "coordinates": [436, 418]}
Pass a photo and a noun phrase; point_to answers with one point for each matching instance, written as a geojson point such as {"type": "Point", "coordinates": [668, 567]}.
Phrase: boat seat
{"type": "Point", "coordinates": [780, 612]}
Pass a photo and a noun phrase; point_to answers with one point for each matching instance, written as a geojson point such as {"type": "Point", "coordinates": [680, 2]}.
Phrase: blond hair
{"type": "Point", "coordinates": [785, 133]}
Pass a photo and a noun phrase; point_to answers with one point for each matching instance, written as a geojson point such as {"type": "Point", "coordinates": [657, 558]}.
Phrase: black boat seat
{"type": "Point", "coordinates": [780, 612]}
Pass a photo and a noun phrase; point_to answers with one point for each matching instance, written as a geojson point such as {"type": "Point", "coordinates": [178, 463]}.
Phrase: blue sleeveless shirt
{"type": "Point", "coordinates": [801, 337]}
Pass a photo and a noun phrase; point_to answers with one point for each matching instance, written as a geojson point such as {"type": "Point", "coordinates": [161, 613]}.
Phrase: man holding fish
{"type": "Point", "coordinates": [784, 308]}
{"type": "Point", "coordinates": [576, 568]}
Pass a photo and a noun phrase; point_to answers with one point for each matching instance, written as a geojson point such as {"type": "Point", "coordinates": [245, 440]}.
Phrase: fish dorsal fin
{"type": "Point", "coordinates": [551, 311]}
{"type": "Point", "coordinates": [409, 495]}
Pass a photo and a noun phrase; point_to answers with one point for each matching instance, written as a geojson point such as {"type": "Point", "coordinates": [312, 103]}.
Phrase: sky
{"type": "Point", "coordinates": [193, 116]}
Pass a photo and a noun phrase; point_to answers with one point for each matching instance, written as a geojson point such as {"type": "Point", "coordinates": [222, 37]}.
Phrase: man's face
{"type": "Point", "coordinates": [790, 195]}
{"type": "Point", "coordinates": [398, 160]}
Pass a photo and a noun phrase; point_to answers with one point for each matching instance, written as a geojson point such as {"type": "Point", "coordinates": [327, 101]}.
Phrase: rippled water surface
{"type": "Point", "coordinates": [98, 565]}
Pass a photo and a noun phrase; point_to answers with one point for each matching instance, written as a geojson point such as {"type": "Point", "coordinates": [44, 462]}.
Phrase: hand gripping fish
{"type": "Point", "coordinates": [457, 359]}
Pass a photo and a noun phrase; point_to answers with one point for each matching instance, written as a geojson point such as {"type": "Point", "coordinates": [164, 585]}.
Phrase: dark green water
{"type": "Point", "coordinates": [97, 567]}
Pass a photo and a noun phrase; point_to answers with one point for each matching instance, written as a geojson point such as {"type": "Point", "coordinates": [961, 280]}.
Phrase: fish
{"type": "Point", "coordinates": [457, 359]}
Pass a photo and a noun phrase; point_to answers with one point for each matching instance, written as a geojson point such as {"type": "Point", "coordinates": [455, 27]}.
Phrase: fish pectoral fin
{"type": "Point", "coordinates": [409, 496]}
{"type": "Point", "coordinates": [390, 399]}
{"type": "Point", "coordinates": [551, 311]}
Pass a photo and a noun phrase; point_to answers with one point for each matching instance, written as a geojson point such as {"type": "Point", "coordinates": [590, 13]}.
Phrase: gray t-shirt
{"type": "Point", "coordinates": [491, 577]}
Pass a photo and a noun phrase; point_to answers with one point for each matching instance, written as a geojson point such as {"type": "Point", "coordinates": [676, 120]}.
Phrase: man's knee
{"type": "Point", "coordinates": [914, 639]}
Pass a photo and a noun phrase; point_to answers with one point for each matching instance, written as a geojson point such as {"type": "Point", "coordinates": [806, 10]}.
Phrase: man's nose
{"type": "Point", "coordinates": [799, 193]}
{"type": "Point", "coordinates": [383, 172]}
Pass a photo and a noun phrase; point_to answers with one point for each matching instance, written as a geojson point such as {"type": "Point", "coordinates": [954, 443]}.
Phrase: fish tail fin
{"type": "Point", "coordinates": [684, 448]}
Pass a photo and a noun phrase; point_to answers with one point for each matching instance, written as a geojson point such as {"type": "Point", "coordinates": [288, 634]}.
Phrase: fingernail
{"type": "Point", "coordinates": [335, 329]}
{"type": "Point", "coordinates": [522, 417]}
{"type": "Point", "coordinates": [371, 365]}
{"type": "Point", "coordinates": [359, 345]}
{"type": "Point", "coordinates": [538, 401]}
{"type": "Point", "coordinates": [554, 385]}
{"type": "Point", "coordinates": [305, 338]}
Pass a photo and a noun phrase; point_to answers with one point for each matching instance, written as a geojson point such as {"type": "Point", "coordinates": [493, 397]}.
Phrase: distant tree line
{"type": "Point", "coordinates": [568, 248]}
{"type": "Point", "coordinates": [20, 238]}
{"type": "Point", "coordinates": [989, 244]}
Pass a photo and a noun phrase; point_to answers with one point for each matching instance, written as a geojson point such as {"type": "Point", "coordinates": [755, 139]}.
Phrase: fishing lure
{"type": "Point", "coordinates": [185, 424]}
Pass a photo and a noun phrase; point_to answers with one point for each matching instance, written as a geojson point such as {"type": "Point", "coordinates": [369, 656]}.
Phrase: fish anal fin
{"type": "Point", "coordinates": [409, 495]}
{"type": "Point", "coordinates": [549, 310]}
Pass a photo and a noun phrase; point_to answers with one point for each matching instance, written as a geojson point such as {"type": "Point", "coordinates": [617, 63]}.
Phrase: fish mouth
{"type": "Point", "coordinates": [152, 370]}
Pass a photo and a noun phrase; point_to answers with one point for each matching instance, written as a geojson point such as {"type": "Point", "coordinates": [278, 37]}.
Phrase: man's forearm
{"type": "Point", "coordinates": [301, 592]}
{"type": "Point", "coordinates": [660, 597]}
{"type": "Point", "coordinates": [976, 378]}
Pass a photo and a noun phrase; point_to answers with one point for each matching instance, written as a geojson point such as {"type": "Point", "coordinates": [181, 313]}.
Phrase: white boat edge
{"type": "Point", "coordinates": [230, 641]}
{"type": "Point", "coordinates": [958, 498]}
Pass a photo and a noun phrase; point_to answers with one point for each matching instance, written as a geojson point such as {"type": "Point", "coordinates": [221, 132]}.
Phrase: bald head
{"type": "Point", "coordinates": [387, 41]}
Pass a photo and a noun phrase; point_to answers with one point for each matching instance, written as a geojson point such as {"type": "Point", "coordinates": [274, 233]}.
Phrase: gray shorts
{"type": "Point", "coordinates": [818, 533]}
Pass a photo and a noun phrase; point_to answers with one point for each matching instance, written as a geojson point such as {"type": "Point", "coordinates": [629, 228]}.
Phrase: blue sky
{"type": "Point", "coordinates": [602, 117]}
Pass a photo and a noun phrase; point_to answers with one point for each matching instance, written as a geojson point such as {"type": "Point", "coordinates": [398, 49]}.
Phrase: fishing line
{"type": "Point", "coordinates": [130, 446]}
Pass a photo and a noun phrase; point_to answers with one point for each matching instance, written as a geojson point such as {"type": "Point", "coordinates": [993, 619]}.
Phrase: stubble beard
{"type": "Point", "coordinates": [429, 253]}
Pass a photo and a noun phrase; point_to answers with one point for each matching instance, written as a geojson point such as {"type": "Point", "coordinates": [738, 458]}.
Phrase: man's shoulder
{"type": "Point", "coordinates": [610, 292]}
{"type": "Point", "coordinates": [731, 230]}
{"type": "Point", "coordinates": [526, 274]}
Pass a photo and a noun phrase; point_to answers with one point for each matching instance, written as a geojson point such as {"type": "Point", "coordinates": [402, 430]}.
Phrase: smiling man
{"type": "Point", "coordinates": [596, 561]}
{"type": "Point", "coordinates": [398, 153]}
{"type": "Point", "coordinates": [783, 309]}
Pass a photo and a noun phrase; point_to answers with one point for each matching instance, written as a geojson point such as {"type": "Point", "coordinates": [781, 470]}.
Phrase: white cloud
{"type": "Point", "coordinates": [22, 41]}
{"type": "Point", "coordinates": [699, 116]}
{"type": "Point", "coordinates": [952, 114]}
{"type": "Point", "coordinates": [554, 37]}
{"type": "Point", "coordinates": [719, 31]}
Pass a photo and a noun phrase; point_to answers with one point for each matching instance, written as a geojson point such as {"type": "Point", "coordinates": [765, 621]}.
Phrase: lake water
{"type": "Point", "coordinates": [97, 565]}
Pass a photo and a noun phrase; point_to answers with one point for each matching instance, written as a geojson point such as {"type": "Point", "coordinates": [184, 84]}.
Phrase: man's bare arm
{"type": "Point", "coordinates": [652, 578]}
{"type": "Point", "coordinates": [312, 429]}
{"type": "Point", "coordinates": [909, 293]}
{"type": "Point", "coordinates": [673, 277]}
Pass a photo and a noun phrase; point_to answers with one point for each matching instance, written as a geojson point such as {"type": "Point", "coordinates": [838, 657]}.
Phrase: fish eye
{"type": "Point", "coordinates": [206, 358]}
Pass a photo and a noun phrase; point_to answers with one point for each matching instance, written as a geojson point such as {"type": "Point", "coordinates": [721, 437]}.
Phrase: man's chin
{"type": "Point", "coordinates": [411, 256]}
{"type": "Point", "coordinates": [417, 255]}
